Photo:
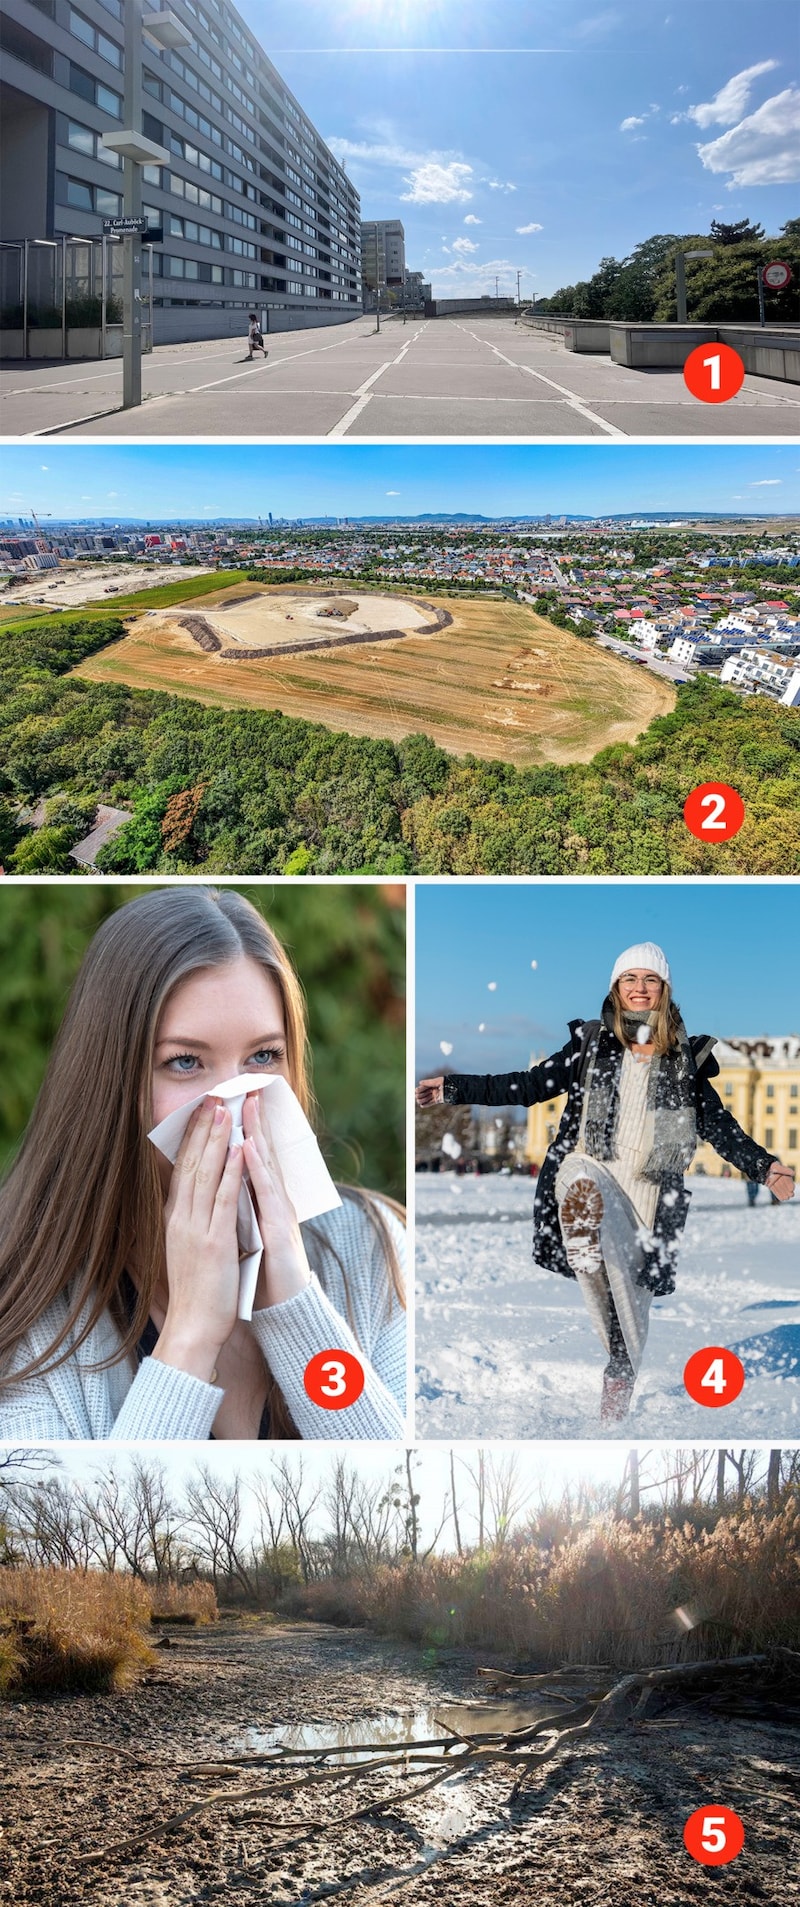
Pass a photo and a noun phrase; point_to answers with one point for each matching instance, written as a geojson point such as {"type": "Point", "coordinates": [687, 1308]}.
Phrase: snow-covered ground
{"type": "Point", "coordinates": [505, 1350]}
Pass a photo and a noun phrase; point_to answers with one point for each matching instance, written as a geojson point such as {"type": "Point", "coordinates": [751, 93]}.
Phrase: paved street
{"type": "Point", "coordinates": [427, 379]}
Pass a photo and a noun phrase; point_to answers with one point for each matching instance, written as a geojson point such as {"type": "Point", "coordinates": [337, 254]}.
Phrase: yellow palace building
{"type": "Point", "coordinates": [759, 1082]}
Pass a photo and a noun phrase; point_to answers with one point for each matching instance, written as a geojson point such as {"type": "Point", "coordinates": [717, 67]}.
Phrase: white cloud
{"type": "Point", "coordinates": [471, 219]}
{"type": "Point", "coordinates": [437, 184]}
{"type": "Point", "coordinates": [761, 483]}
{"type": "Point", "coordinates": [524, 229]}
{"type": "Point", "coordinates": [500, 185]}
{"type": "Point", "coordinates": [464, 245]}
{"type": "Point", "coordinates": [467, 276]}
{"type": "Point", "coordinates": [763, 149]}
{"type": "Point", "coordinates": [392, 493]}
{"type": "Point", "coordinates": [732, 98]}
{"type": "Point", "coordinates": [627, 125]}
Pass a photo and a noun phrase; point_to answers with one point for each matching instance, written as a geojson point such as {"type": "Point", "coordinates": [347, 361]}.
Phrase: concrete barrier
{"type": "Point", "coordinates": [764, 353]}
{"type": "Point", "coordinates": [184, 325]}
{"type": "Point", "coordinates": [577, 334]}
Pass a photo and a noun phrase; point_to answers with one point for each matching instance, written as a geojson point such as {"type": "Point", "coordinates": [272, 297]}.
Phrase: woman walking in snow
{"type": "Point", "coordinates": [610, 1200]}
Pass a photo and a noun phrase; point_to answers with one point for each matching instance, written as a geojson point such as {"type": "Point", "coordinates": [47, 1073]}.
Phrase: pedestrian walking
{"type": "Point", "coordinates": [610, 1201]}
{"type": "Point", "coordinates": [255, 337]}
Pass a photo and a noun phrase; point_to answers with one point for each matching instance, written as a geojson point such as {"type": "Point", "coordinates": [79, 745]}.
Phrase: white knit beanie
{"type": "Point", "coordinates": [646, 955]}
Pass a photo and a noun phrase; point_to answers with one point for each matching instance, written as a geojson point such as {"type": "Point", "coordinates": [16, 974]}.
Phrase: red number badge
{"type": "Point", "coordinates": [334, 1379]}
{"type": "Point", "coordinates": [714, 373]}
{"type": "Point", "coordinates": [714, 811]}
{"type": "Point", "coordinates": [714, 1835]}
{"type": "Point", "coordinates": [714, 1376]}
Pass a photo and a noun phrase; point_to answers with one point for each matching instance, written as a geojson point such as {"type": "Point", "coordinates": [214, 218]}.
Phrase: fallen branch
{"type": "Point", "coordinates": [524, 1749]}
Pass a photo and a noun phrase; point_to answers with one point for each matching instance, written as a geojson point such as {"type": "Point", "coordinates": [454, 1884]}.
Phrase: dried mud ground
{"type": "Point", "coordinates": [81, 1773]}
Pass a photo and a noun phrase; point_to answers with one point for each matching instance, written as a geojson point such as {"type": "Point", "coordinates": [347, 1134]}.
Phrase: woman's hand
{"type": "Point", "coordinates": [284, 1268]}
{"type": "Point", "coordinates": [780, 1180]}
{"type": "Point", "coordinates": [201, 1244]}
{"type": "Point", "coordinates": [430, 1092]}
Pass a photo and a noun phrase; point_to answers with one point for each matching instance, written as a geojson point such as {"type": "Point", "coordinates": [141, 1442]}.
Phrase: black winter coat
{"type": "Point", "coordinates": [565, 1072]}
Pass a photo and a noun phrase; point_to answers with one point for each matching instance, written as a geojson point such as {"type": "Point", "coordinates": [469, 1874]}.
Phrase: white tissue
{"type": "Point", "coordinates": [289, 1138]}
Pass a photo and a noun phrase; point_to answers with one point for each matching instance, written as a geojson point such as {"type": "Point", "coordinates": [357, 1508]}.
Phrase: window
{"type": "Point", "coordinates": [769, 1136]}
{"type": "Point", "coordinates": [108, 204]}
{"type": "Point", "coordinates": [792, 1144]}
{"type": "Point", "coordinates": [107, 101]}
{"type": "Point", "coordinates": [80, 138]}
{"type": "Point", "coordinates": [794, 1092]}
{"type": "Point", "coordinates": [89, 35]}
{"type": "Point", "coordinates": [79, 195]}
{"type": "Point", "coordinates": [770, 1092]}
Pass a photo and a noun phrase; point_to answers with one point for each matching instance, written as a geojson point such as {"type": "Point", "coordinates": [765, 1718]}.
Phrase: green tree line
{"type": "Point", "coordinates": [641, 287]}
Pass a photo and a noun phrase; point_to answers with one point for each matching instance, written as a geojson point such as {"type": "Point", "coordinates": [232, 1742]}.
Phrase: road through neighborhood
{"type": "Point", "coordinates": [427, 379]}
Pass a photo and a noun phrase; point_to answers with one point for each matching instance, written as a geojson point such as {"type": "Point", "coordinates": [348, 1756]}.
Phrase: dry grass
{"type": "Point", "coordinates": [63, 1630]}
{"type": "Point", "coordinates": [621, 1593]}
{"type": "Point", "coordinates": [190, 1602]}
{"type": "Point", "coordinates": [499, 682]}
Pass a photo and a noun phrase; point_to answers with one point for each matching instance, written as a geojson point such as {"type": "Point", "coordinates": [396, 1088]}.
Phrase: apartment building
{"type": "Point", "coordinates": [255, 209]}
{"type": "Point", "coordinates": [767, 674]}
{"type": "Point", "coordinates": [759, 1083]}
{"type": "Point", "coordinates": [383, 255]}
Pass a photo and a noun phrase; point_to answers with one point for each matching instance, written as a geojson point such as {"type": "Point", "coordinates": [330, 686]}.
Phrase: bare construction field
{"type": "Point", "coordinates": [497, 681]}
{"type": "Point", "coordinates": [70, 588]}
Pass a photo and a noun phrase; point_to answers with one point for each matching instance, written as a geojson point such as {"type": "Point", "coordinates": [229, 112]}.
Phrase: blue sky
{"type": "Point", "coordinates": [732, 950]}
{"type": "Point", "coordinates": [550, 132]}
{"type": "Point", "coordinates": [198, 480]}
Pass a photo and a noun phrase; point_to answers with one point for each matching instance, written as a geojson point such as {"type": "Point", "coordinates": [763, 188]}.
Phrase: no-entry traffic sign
{"type": "Point", "coordinates": [777, 275]}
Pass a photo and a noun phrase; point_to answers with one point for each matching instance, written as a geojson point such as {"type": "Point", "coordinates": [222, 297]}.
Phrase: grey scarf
{"type": "Point", "coordinates": [670, 1132]}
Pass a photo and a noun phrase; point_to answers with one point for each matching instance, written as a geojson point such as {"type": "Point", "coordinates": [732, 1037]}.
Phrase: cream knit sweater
{"type": "Point", "coordinates": [626, 1167]}
{"type": "Point", "coordinates": [158, 1402]}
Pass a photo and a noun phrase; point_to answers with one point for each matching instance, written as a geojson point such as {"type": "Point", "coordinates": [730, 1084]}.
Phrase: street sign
{"type": "Point", "coordinates": [125, 227]}
{"type": "Point", "coordinates": [777, 275]}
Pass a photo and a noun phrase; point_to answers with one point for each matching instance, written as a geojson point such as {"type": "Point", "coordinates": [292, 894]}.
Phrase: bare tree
{"type": "Point", "coordinates": [298, 1502]}
{"type": "Point", "coordinates": [214, 1506]}
{"type": "Point", "coordinates": [507, 1493]}
{"type": "Point", "coordinates": [454, 1502]}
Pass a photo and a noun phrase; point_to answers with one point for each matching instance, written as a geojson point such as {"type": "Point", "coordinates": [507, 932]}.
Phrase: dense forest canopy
{"type": "Point", "coordinates": [245, 791]}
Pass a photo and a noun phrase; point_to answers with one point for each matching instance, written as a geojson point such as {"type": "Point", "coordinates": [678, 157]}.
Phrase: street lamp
{"type": "Point", "coordinates": [680, 280]}
{"type": "Point", "coordinates": [136, 151]}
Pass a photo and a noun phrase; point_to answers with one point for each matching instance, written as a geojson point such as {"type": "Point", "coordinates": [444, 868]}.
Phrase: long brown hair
{"type": "Point", "coordinates": [85, 1187]}
{"type": "Point", "coordinates": [665, 1031]}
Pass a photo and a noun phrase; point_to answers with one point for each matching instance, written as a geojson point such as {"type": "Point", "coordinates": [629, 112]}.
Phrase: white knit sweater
{"type": "Point", "coordinates": [626, 1166]}
{"type": "Point", "coordinates": [156, 1401]}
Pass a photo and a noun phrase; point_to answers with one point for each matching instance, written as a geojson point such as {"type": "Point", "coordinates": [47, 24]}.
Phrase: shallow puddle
{"type": "Point", "coordinates": [350, 1739]}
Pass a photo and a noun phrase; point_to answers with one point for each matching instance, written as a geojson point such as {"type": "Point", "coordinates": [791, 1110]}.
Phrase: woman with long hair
{"type": "Point", "coordinates": [119, 1273]}
{"type": "Point", "coordinates": [610, 1200]}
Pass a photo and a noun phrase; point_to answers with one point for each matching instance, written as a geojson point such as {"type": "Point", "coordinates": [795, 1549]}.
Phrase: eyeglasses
{"type": "Point", "coordinates": [648, 980]}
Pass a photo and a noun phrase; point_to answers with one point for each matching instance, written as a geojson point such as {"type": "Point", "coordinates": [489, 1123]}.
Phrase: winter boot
{"type": "Point", "coordinates": [616, 1398]}
{"type": "Point", "coordinates": [581, 1216]}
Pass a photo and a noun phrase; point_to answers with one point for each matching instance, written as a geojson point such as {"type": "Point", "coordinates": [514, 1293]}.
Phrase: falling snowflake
{"type": "Point", "coordinates": [492, 984]}
{"type": "Point", "coordinates": [534, 964]}
{"type": "Point", "coordinates": [451, 1146]}
{"type": "Point", "coordinates": [445, 1046]}
{"type": "Point", "coordinates": [482, 1027]}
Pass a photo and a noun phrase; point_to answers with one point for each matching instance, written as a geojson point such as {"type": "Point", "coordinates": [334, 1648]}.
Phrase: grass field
{"type": "Point", "coordinates": [176, 589]}
{"type": "Point", "coordinates": [500, 681]}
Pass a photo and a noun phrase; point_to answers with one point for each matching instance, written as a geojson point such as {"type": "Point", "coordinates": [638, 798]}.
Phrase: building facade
{"type": "Point", "coordinates": [383, 256]}
{"type": "Point", "coordinates": [255, 209]}
{"type": "Point", "coordinates": [759, 1082]}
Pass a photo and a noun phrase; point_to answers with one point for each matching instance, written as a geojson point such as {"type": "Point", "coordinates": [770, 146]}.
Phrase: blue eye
{"type": "Point", "coordinates": [267, 1056]}
{"type": "Point", "coordinates": [182, 1064]}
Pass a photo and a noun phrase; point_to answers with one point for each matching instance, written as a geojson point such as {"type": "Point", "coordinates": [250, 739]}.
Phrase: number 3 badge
{"type": "Point", "coordinates": [334, 1379]}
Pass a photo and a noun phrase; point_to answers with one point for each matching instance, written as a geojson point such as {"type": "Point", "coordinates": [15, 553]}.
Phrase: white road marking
{"type": "Point", "coordinates": [363, 394]}
{"type": "Point", "coordinates": [574, 402]}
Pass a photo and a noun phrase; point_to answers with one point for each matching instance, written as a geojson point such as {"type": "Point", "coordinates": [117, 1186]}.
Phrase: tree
{"type": "Point", "coordinates": [737, 233]}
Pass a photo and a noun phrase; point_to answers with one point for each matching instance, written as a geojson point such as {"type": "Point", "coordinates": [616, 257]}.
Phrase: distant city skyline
{"type": "Point", "coordinates": [185, 482]}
